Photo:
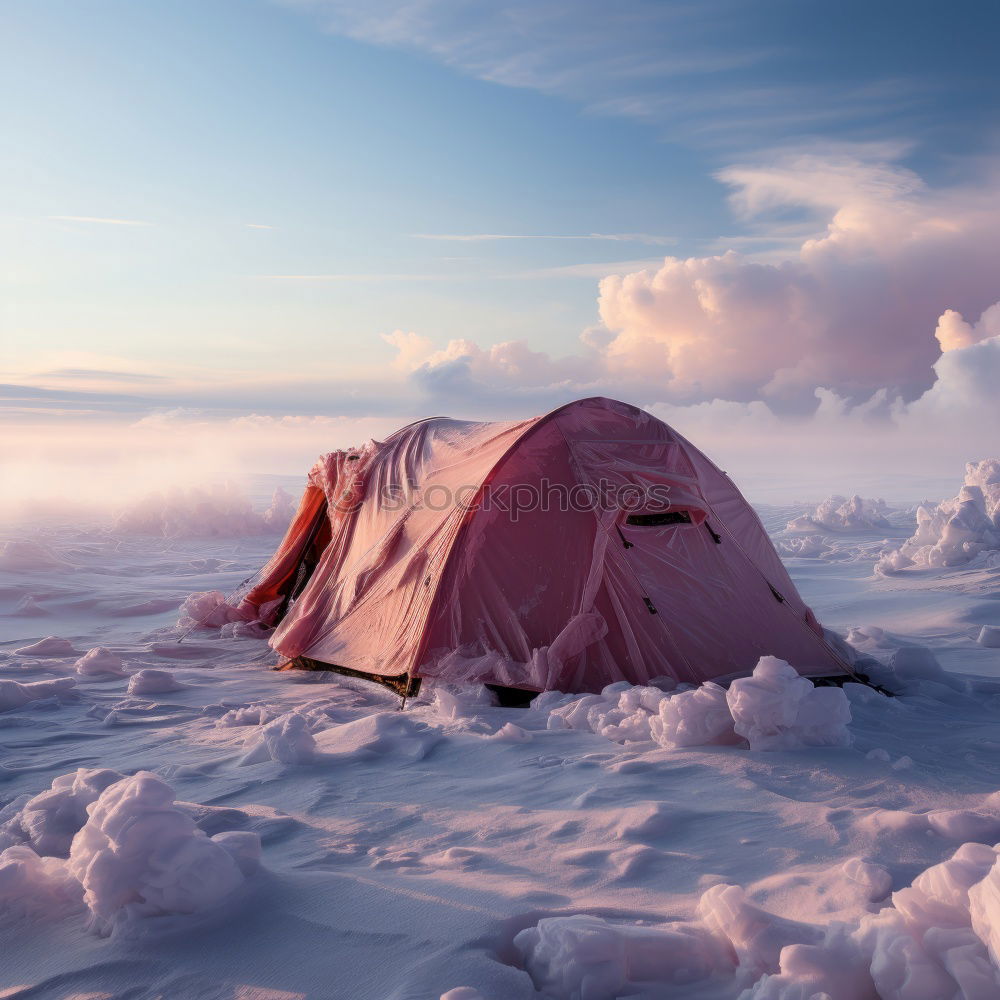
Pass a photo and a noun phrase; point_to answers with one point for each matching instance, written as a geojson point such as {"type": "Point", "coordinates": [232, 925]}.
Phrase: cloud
{"type": "Point", "coordinates": [646, 238]}
{"type": "Point", "coordinates": [855, 309]}
{"type": "Point", "coordinates": [96, 220]}
{"type": "Point", "coordinates": [715, 73]}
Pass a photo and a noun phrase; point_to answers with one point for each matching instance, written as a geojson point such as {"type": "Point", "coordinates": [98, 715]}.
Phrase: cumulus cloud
{"type": "Point", "coordinates": [854, 310]}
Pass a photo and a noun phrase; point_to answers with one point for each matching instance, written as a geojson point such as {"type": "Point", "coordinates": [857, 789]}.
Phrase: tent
{"type": "Point", "coordinates": [569, 551]}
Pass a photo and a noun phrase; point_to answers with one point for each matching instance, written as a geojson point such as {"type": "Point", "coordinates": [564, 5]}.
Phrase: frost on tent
{"type": "Point", "coordinates": [961, 531]}
{"type": "Point", "coordinates": [839, 513]}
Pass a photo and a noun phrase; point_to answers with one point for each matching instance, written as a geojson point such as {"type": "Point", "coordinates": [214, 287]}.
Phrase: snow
{"type": "Point", "coordinates": [266, 834]}
{"type": "Point", "coordinates": [150, 681]}
{"type": "Point", "coordinates": [51, 645]}
{"type": "Point", "coordinates": [839, 513]}
{"type": "Point", "coordinates": [958, 531]}
{"type": "Point", "coordinates": [774, 709]}
{"type": "Point", "coordinates": [778, 709]}
{"type": "Point", "coordinates": [286, 740]}
{"type": "Point", "coordinates": [47, 822]}
{"type": "Point", "coordinates": [139, 856]}
{"type": "Point", "coordinates": [100, 662]}
{"type": "Point", "coordinates": [14, 694]}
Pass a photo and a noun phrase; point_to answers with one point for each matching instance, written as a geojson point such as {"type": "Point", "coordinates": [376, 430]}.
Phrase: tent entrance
{"type": "Point", "coordinates": [402, 684]}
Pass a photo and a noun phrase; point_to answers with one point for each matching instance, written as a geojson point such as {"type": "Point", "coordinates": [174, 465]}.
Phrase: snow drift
{"type": "Point", "coordinates": [774, 709]}
{"type": "Point", "coordinates": [937, 939]}
{"type": "Point", "coordinates": [139, 856]}
{"type": "Point", "coordinates": [839, 513]}
{"type": "Point", "coordinates": [958, 531]}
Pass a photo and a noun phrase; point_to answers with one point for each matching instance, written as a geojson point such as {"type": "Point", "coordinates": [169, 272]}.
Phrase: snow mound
{"type": "Point", "coordinates": [48, 821]}
{"type": "Point", "coordinates": [804, 547]}
{"type": "Point", "coordinates": [14, 694]}
{"type": "Point", "coordinates": [100, 662]}
{"type": "Point", "coordinates": [939, 937]}
{"type": "Point", "coordinates": [958, 531]}
{"type": "Point", "coordinates": [25, 556]}
{"type": "Point", "coordinates": [151, 681]}
{"type": "Point", "coordinates": [839, 513]}
{"type": "Point", "coordinates": [381, 733]}
{"type": "Point", "coordinates": [287, 740]}
{"type": "Point", "coordinates": [207, 609]}
{"type": "Point", "coordinates": [31, 886]}
{"type": "Point", "coordinates": [778, 709]}
{"type": "Point", "coordinates": [695, 718]}
{"type": "Point", "coordinates": [582, 957]}
{"type": "Point", "coordinates": [248, 715]}
{"type": "Point", "coordinates": [139, 856]}
{"type": "Point", "coordinates": [774, 709]}
{"type": "Point", "coordinates": [911, 667]}
{"type": "Point", "coordinates": [51, 646]}
{"type": "Point", "coordinates": [213, 512]}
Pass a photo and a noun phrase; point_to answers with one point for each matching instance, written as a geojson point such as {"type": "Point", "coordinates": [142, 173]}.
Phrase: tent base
{"type": "Point", "coordinates": [402, 684]}
{"type": "Point", "coordinates": [839, 680]}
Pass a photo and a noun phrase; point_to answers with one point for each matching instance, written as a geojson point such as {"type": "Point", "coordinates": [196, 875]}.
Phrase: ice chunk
{"type": "Point", "coordinates": [248, 715]}
{"type": "Point", "coordinates": [839, 513]}
{"type": "Point", "coordinates": [149, 681]}
{"type": "Point", "coordinates": [139, 856]}
{"type": "Point", "coordinates": [778, 709]}
{"type": "Point", "coordinates": [287, 740]}
{"type": "Point", "coordinates": [957, 531]}
{"type": "Point", "coordinates": [51, 819]}
{"type": "Point", "coordinates": [14, 694]}
{"type": "Point", "coordinates": [207, 609]}
{"type": "Point", "coordinates": [100, 662]}
{"type": "Point", "coordinates": [582, 956]}
{"type": "Point", "coordinates": [694, 718]}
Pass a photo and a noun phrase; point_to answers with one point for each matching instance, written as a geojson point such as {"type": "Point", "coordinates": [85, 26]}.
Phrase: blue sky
{"type": "Point", "coordinates": [227, 207]}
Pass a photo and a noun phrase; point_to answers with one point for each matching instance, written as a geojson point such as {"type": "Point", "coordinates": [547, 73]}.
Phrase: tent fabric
{"type": "Point", "coordinates": [474, 552]}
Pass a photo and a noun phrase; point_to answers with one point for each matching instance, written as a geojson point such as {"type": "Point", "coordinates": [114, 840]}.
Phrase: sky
{"type": "Point", "coordinates": [238, 233]}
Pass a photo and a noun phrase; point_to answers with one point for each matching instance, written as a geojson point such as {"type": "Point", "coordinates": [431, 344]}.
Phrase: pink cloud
{"type": "Point", "coordinates": [854, 310]}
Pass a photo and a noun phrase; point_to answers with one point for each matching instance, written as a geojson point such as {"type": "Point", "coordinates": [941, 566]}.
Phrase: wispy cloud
{"type": "Point", "coordinates": [647, 238]}
{"type": "Point", "coordinates": [97, 220]}
{"type": "Point", "coordinates": [710, 72]}
{"type": "Point", "coordinates": [257, 225]}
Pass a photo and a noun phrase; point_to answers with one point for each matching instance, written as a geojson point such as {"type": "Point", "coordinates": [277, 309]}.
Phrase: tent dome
{"type": "Point", "coordinates": [590, 545]}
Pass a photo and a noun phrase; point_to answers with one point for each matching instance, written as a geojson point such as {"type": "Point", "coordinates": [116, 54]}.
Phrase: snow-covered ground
{"type": "Point", "coordinates": [180, 821]}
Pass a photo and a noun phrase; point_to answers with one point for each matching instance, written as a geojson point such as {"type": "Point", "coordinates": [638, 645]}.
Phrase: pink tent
{"type": "Point", "coordinates": [590, 545]}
